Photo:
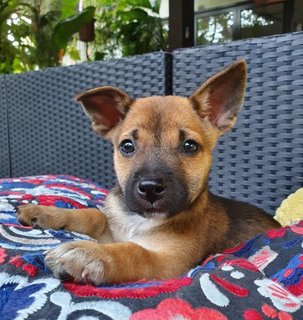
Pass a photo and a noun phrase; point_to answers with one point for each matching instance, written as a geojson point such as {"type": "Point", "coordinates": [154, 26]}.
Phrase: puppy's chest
{"type": "Point", "coordinates": [129, 227]}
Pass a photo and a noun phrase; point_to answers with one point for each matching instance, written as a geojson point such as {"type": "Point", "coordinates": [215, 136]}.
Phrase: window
{"type": "Point", "coordinates": [261, 21]}
{"type": "Point", "coordinates": [214, 28]}
{"type": "Point", "coordinates": [226, 20]}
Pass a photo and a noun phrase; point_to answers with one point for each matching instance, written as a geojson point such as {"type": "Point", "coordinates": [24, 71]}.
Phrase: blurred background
{"type": "Point", "coordinates": [35, 34]}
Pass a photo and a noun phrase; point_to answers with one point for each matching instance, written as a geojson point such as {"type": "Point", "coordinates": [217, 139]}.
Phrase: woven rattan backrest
{"type": "Point", "coordinates": [4, 143]}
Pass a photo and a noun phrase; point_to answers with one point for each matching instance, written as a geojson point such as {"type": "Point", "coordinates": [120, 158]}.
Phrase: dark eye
{"type": "Point", "coordinates": [127, 147]}
{"type": "Point", "coordinates": [190, 147]}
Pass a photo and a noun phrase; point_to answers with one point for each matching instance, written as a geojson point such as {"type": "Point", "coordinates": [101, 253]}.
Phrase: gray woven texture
{"type": "Point", "coordinates": [261, 160]}
{"type": "Point", "coordinates": [4, 149]}
{"type": "Point", "coordinates": [49, 133]}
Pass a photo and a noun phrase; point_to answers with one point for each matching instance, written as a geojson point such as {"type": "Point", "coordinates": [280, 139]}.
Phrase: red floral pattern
{"type": "Point", "coordinates": [3, 255]}
{"type": "Point", "coordinates": [171, 309]}
{"type": "Point", "coordinates": [140, 289]}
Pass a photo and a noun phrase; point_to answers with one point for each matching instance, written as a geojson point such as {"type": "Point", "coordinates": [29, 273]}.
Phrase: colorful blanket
{"type": "Point", "coordinates": [259, 279]}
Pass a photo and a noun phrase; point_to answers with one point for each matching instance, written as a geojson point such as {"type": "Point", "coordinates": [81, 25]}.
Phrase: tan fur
{"type": "Point", "coordinates": [151, 245]}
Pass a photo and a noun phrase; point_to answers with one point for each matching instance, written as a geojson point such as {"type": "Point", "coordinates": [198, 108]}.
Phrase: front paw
{"type": "Point", "coordinates": [42, 217]}
{"type": "Point", "coordinates": [79, 261]}
{"type": "Point", "coordinates": [32, 215]}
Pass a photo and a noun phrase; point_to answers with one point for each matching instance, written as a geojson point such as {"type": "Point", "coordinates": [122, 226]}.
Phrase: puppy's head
{"type": "Point", "coordinates": [163, 145]}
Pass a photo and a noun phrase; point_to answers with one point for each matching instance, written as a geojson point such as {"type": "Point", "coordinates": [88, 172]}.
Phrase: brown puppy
{"type": "Point", "coordinates": [160, 219]}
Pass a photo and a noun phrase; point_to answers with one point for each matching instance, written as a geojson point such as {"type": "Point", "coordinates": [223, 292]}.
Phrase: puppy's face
{"type": "Point", "coordinates": [163, 145]}
{"type": "Point", "coordinates": [162, 154]}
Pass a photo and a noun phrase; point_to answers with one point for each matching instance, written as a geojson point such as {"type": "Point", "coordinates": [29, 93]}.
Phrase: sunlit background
{"type": "Point", "coordinates": [43, 33]}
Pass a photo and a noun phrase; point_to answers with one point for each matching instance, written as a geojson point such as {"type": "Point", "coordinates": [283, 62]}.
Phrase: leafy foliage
{"type": "Point", "coordinates": [128, 27]}
{"type": "Point", "coordinates": [65, 29]}
{"type": "Point", "coordinates": [7, 50]}
{"type": "Point", "coordinates": [37, 33]}
{"type": "Point", "coordinates": [26, 31]}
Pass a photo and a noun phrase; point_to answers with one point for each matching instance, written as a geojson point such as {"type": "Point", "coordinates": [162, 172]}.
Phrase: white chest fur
{"type": "Point", "coordinates": [126, 226]}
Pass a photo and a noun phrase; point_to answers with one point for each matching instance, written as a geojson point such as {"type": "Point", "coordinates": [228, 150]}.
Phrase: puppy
{"type": "Point", "coordinates": [160, 219]}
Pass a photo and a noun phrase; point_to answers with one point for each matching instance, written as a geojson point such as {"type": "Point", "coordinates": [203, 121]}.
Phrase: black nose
{"type": "Point", "coordinates": [151, 189]}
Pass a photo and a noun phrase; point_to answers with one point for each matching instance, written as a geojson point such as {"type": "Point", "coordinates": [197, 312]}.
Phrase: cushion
{"type": "Point", "coordinates": [259, 279]}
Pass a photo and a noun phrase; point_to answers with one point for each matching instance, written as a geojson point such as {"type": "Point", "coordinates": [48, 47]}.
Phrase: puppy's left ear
{"type": "Point", "coordinates": [105, 106]}
{"type": "Point", "coordinates": [221, 97]}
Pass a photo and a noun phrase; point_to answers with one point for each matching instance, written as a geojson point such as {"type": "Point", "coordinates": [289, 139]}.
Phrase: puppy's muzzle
{"type": "Point", "coordinates": [151, 190]}
{"type": "Point", "coordinates": [155, 189]}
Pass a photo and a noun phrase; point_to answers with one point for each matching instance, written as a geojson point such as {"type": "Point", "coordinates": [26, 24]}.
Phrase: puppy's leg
{"type": "Point", "coordinates": [90, 262]}
{"type": "Point", "coordinates": [89, 221]}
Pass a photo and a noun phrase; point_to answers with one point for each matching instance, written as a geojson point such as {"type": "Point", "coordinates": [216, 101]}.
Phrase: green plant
{"type": "Point", "coordinates": [37, 33]}
{"type": "Point", "coordinates": [127, 27]}
{"type": "Point", "coordinates": [66, 28]}
{"type": "Point", "coordinates": [27, 31]}
{"type": "Point", "coordinates": [7, 49]}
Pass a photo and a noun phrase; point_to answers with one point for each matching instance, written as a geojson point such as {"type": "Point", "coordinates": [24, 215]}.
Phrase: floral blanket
{"type": "Point", "coordinates": [259, 279]}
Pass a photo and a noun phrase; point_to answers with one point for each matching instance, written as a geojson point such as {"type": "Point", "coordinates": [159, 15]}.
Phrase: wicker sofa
{"type": "Point", "coordinates": [45, 135]}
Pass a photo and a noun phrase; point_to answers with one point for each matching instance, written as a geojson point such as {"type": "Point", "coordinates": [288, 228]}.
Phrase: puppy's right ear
{"type": "Point", "coordinates": [105, 106]}
{"type": "Point", "coordinates": [221, 97]}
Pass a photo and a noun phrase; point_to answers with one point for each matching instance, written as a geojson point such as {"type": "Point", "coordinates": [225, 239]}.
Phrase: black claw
{"type": "Point", "coordinates": [65, 276]}
{"type": "Point", "coordinates": [34, 223]}
{"type": "Point", "coordinates": [23, 223]}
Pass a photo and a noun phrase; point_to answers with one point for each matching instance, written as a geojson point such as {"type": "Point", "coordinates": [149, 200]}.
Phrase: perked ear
{"type": "Point", "coordinates": [221, 97]}
{"type": "Point", "coordinates": [105, 106]}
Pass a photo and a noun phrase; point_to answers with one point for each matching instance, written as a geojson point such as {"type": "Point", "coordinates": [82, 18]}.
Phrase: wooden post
{"type": "Point", "coordinates": [181, 24]}
{"type": "Point", "coordinates": [288, 8]}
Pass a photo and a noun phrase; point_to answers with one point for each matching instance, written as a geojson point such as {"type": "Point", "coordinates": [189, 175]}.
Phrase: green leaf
{"type": "Point", "coordinates": [74, 54]}
{"type": "Point", "coordinates": [68, 8]}
{"type": "Point", "coordinates": [66, 28]}
{"type": "Point", "coordinates": [99, 55]}
{"type": "Point", "coordinates": [157, 5]}
{"type": "Point", "coordinates": [6, 12]}
{"type": "Point", "coordinates": [105, 3]}
{"type": "Point", "coordinates": [134, 14]}
{"type": "Point", "coordinates": [137, 3]}
{"type": "Point", "coordinates": [17, 66]}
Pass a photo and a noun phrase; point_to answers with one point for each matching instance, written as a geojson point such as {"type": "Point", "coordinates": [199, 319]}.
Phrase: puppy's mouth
{"type": "Point", "coordinates": [147, 209]}
{"type": "Point", "coordinates": [155, 215]}
{"type": "Point", "coordinates": [167, 206]}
